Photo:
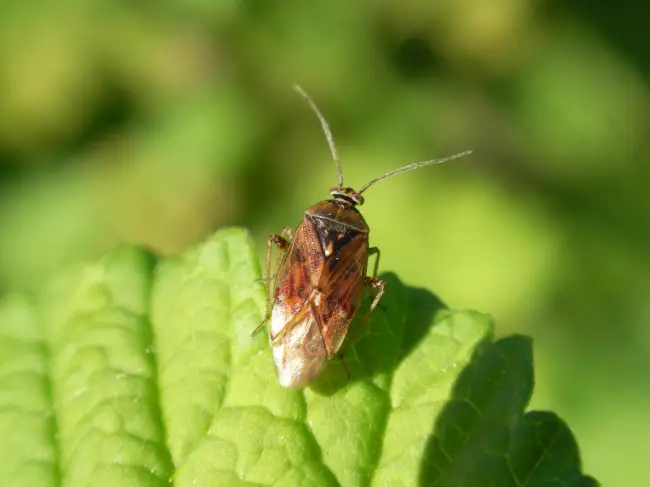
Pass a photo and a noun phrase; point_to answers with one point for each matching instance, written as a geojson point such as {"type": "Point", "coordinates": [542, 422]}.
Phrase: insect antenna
{"type": "Point", "coordinates": [326, 129]}
{"type": "Point", "coordinates": [410, 167]}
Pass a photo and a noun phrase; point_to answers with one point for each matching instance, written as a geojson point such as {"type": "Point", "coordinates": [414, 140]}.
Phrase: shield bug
{"type": "Point", "coordinates": [321, 278]}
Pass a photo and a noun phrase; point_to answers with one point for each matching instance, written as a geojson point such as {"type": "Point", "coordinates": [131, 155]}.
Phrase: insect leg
{"type": "Point", "coordinates": [283, 244]}
{"type": "Point", "coordinates": [281, 241]}
{"type": "Point", "coordinates": [375, 284]}
{"type": "Point", "coordinates": [287, 235]}
{"type": "Point", "coordinates": [373, 251]}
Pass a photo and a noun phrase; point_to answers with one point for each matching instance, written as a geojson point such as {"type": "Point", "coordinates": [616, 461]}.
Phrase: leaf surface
{"type": "Point", "coordinates": [132, 371]}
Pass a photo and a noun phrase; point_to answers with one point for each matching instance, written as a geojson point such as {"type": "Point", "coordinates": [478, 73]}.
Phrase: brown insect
{"type": "Point", "coordinates": [322, 276]}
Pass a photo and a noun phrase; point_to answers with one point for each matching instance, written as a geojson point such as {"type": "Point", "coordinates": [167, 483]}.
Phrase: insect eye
{"type": "Point", "coordinates": [358, 199]}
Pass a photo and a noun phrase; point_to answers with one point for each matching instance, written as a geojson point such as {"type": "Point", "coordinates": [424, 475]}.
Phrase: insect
{"type": "Point", "coordinates": [322, 276]}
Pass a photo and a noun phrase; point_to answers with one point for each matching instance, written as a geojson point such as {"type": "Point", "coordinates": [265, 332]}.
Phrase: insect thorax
{"type": "Point", "coordinates": [336, 224]}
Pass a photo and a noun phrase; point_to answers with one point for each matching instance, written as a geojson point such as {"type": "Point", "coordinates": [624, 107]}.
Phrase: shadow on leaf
{"type": "Point", "coordinates": [482, 436]}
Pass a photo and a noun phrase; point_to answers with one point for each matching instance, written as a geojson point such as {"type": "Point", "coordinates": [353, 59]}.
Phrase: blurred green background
{"type": "Point", "coordinates": [158, 122]}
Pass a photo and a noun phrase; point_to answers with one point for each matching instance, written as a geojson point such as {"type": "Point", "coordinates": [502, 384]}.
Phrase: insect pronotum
{"type": "Point", "coordinates": [320, 281]}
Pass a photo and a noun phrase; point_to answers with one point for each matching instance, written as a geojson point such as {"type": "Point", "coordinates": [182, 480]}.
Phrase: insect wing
{"type": "Point", "coordinates": [299, 352]}
{"type": "Point", "coordinates": [298, 348]}
{"type": "Point", "coordinates": [298, 273]}
{"type": "Point", "coordinates": [342, 284]}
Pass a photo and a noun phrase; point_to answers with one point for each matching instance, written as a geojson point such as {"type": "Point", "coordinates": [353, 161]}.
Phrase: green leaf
{"type": "Point", "coordinates": [134, 372]}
